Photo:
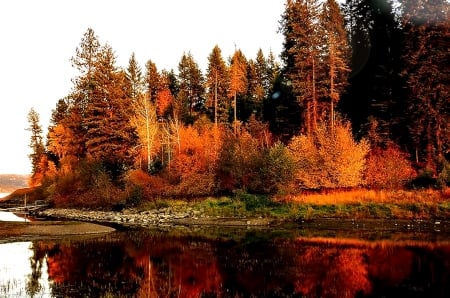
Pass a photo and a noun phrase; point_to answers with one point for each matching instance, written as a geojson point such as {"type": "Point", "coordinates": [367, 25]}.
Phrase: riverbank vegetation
{"type": "Point", "coordinates": [260, 131]}
{"type": "Point", "coordinates": [355, 205]}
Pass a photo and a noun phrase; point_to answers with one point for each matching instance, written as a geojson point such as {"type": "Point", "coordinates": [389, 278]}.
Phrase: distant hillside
{"type": "Point", "coordinates": [11, 182]}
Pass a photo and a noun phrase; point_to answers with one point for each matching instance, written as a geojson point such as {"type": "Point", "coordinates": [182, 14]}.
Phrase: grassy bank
{"type": "Point", "coordinates": [358, 204]}
{"type": "Point", "coordinates": [349, 204]}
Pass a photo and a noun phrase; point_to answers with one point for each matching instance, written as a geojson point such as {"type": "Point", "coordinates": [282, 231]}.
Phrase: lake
{"type": "Point", "coordinates": [230, 262]}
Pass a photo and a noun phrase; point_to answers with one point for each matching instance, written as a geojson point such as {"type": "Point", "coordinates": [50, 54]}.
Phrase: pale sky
{"type": "Point", "coordinates": [38, 38]}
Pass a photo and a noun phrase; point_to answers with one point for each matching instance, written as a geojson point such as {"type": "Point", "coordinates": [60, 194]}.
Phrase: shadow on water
{"type": "Point", "coordinates": [229, 262]}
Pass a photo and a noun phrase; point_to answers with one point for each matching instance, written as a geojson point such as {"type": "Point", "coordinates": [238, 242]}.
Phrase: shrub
{"type": "Point", "coordinates": [89, 185]}
{"type": "Point", "coordinates": [328, 159]}
{"type": "Point", "coordinates": [191, 172]}
{"type": "Point", "coordinates": [275, 170]}
{"type": "Point", "coordinates": [425, 179]}
{"type": "Point", "coordinates": [252, 201]}
{"type": "Point", "coordinates": [388, 168]}
{"type": "Point", "coordinates": [239, 161]}
{"type": "Point", "coordinates": [443, 178]}
{"type": "Point", "coordinates": [150, 185]}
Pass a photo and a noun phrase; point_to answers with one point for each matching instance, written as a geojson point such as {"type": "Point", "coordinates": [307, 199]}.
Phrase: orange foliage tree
{"type": "Point", "coordinates": [194, 161]}
{"type": "Point", "coordinates": [388, 168]}
{"type": "Point", "coordinates": [163, 101]}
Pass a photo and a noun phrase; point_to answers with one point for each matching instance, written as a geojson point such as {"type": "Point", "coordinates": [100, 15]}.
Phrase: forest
{"type": "Point", "coordinates": [358, 98]}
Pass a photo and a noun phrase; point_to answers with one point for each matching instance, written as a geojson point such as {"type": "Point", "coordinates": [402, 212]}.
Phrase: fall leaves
{"type": "Point", "coordinates": [123, 136]}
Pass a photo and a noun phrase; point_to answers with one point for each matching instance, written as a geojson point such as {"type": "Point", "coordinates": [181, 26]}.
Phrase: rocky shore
{"type": "Point", "coordinates": [156, 217]}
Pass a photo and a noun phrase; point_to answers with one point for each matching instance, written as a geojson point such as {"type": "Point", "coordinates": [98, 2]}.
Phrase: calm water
{"type": "Point", "coordinates": [227, 263]}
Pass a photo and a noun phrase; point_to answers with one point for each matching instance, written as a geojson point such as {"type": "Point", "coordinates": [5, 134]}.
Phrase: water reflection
{"type": "Point", "coordinates": [144, 263]}
{"type": "Point", "coordinates": [19, 277]}
{"type": "Point", "coordinates": [9, 216]}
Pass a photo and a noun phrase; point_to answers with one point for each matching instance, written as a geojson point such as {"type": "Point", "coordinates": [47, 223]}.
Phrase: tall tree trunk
{"type": "Point", "coordinates": [332, 91]}
{"type": "Point", "coordinates": [215, 100]}
{"type": "Point", "coordinates": [235, 114]}
{"type": "Point", "coordinates": [314, 99]}
{"type": "Point", "coordinates": [147, 127]}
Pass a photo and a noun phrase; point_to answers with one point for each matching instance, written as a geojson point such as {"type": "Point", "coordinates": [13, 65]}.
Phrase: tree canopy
{"type": "Point", "coordinates": [352, 82]}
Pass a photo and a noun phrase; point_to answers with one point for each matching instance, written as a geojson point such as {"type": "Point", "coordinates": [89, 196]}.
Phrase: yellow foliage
{"type": "Point", "coordinates": [329, 159]}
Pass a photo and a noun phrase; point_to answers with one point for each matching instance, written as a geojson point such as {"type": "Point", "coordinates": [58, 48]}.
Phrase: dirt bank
{"type": "Point", "coordinates": [23, 231]}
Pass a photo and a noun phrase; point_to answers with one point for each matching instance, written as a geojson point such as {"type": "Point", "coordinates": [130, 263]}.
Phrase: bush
{"type": "Point", "coordinates": [275, 171]}
{"type": "Point", "coordinates": [191, 172]}
{"type": "Point", "coordinates": [328, 159]}
{"type": "Point", "coordinates": [239, 162]}
{"type": "Point", "coordinates": [443, 178]}
{"type": "Point", "coordinates": [253, 202]}
{"type": "Point", "coordinates": [151, 186]}
{"type": "Point", "coordinates": [388, 168]}
{"type": "Point", "coordinates": [89, 185]}
{"type": "Point", "coordinates": [425, 179]}
{"type": "Point", "coordinates": [134, 195]}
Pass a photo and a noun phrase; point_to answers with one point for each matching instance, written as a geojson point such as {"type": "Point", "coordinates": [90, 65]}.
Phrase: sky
{"type": "Point", "coordinates": [38, 38]}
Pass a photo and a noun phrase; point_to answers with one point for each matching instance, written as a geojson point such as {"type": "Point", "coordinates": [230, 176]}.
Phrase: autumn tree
{"type": "Point", "coordinates": [336, 54]}
{"type": "Point", "coordinates": [388, 168]}
{"type": "Point", "coordinates": [164, 97]}
{"type": "Point", "coordinates": [217, 85]}
{"type": "Point", "coordinates": [238, 162]}
{"type": "Point", "coordinates": [194, 161]}
{"type": "Point", "coordinates": [84, 61]}
{"type": "Point", "coordinates": [81, 96]}
{"type": "Point", "coordinates": [36, 145]}
{"type": "Point", "coordinates": [238, 81]}
{"type": "Point", "coordinates": [135, 78]}
{"type": "Point", "coordinates": [262, 73]}
{"type": "Point", "coordinates": [255, 91]}
{"type": "Point", "coordinates": [191, 88]}
{"type": "Point", "coordinates": [301, 56]}
{"type": "Point", "coordinates": [152, 81]}
{"type": "Point", "coordinates": [326, 160]}
{"type": "Point", "coordinates": [250, 163]}
{"type": "Point", "coordinates": [427, 33]}
{"type": "Point", "coordinates": [62, 144]}
{"type": "Point", "coordinates": [110, 138]}
{"type": "Point", "coordinates": [142, 115]}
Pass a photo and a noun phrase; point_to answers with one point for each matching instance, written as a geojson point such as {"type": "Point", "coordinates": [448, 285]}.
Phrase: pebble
{"type": "Point", "coordinates": [133, 218]}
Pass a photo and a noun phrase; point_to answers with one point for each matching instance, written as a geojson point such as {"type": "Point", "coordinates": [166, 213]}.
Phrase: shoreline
{"type": "Point", "coordinates": [14, 231]}
{"type": "Point", "coordinates": [167, 217]}
{"type": "Point", "coordinates": [155, 218]}
{"type": "Point", "coordinates": [63, 223]}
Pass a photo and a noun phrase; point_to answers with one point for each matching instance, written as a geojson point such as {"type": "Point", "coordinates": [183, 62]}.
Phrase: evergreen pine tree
{"type": "Point", "coordinates": [426, 54]}
{"type": "Point", "coordinates": [191, 89]}
{"type": "Point", "coordinates": [217, 85]}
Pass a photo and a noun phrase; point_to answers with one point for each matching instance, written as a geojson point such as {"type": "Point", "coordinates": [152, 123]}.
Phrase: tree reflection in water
{"type": "Point", "coordinates": [147, 264]}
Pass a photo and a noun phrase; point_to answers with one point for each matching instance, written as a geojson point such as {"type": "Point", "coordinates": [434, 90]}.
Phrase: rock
{"type": "Point", "coordinates": [162, 217]}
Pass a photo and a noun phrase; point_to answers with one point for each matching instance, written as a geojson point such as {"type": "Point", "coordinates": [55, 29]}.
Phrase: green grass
{"type": "Point", "coordinates": [249, 205]}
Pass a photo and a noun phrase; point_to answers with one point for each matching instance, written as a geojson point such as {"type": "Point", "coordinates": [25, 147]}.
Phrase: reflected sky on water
{"type": "Point", "coordinates": [16, 274]}
{"type": "Point", "coordinates": [8, 216]}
